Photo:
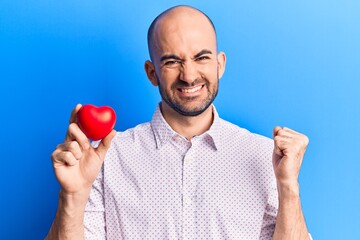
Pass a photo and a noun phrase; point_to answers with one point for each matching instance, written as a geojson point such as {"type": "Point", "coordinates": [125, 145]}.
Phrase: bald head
{"type": "Point", "coordinates": [177, 14]}
{"type": "Point", "coordinates": [185, 63]}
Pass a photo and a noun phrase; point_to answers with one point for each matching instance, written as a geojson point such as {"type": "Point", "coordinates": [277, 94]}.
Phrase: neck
{"type": "Point", "coordinates": [187, 126]}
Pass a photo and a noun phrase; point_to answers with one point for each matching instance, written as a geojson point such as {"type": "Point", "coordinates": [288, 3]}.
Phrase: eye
{"type": "Point", "coordinates": [172, 62]}
{"type": "Point", "coordinates": [203, 58]}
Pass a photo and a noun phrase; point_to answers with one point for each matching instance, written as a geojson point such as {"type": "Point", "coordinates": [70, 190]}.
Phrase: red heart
{"type": "Point", "coordinates": [96, 122]}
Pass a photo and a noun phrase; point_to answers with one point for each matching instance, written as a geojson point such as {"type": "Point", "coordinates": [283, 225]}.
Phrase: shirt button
{"type": "Point", "coordinates": [187, 200]}
{"type": "Point", "coordinates": [177, 138]}
{"type": "Point", "coordinates": [188, 159]}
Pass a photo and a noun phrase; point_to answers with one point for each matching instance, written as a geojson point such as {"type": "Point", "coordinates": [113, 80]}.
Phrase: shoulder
{"type": "Point", "coordinates": [140, 129]}
{"type": "Point", "coordinates": [252, 150]}
{"type": "Point", "coordinates": [233, 130]}
{"type": "Point", "coordinates": [234, 134]}
{"type": "Point", "coordinates": [132, 134]}
{"type": "Point", "coordinates": [138, 134]}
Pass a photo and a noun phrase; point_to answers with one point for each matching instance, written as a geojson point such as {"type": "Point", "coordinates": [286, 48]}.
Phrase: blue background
{"type": "Point", "coordinates": [290, 63]}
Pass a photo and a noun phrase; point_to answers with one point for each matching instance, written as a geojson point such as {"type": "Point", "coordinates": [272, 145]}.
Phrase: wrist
{"type": "Point", "coordinates": [288, 190]}
{"type": "Point", "coordinates": [69, 219]}
{"type": "Point", "coordinates": [73, 201]}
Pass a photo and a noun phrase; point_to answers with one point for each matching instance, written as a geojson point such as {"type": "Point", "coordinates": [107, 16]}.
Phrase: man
{"type": "Point", "coordinates": [187, 174]}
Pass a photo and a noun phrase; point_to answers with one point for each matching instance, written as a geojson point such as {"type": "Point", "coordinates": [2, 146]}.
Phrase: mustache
{"type": "Point", "coordinates": [180, 84]}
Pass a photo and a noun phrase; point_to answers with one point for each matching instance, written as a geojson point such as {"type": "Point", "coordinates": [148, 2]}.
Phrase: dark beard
{"type": "Point", "coordinates": [179, 108]}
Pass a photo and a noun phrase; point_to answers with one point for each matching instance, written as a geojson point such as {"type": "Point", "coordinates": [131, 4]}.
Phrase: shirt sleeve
{"type": "Point", "coordinates": [269, 219]}
{"type": "Point", "coordinates": [94, 217]}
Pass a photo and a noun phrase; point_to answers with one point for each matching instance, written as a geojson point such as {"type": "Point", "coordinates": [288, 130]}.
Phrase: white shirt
{"type": "Point", "coordinates": [155, 184]}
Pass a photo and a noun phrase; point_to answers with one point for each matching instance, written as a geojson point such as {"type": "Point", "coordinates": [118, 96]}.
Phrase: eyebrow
{"type": "Point", "coordinates": [202, 52]}
{"type": "Point", "coordinates": [169, 56]}
{"type": "Point", "coordinates": [173, 56]}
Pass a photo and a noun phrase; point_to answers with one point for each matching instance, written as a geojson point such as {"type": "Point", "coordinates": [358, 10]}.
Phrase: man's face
{"type": "Point", "coordinates": [186, 63]}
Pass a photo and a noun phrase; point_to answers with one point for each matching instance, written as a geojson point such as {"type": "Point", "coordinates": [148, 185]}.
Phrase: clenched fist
{"type": "Point", "coordinates": [289, 150]}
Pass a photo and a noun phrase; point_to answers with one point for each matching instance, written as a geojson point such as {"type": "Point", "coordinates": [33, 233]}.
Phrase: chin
{"type": "Point", "coordinates": [191, 112]}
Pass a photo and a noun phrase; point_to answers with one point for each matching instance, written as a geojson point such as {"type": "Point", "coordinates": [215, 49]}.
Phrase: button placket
{"type": "Point", "coordinates": [189, 198]}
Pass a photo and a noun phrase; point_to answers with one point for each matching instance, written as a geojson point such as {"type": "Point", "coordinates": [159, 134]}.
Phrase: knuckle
{"type": "Point", "coordinates": [71, 162]}
{"type": "Point", "coordinates": [73, 145]}
{"type": "Point", "coordinates": [67, 155]}
{"type": "Point", "coordinates": [277, 138]}
{"type": "Point", "coordinates": [304, 140]}
{"type": "Point", "coordinates": [297, 148]}
{"type": "Point", "coordinates": [54, 154]}
{"type": "Point", "coordinates": [82, 138]}
{"type": "Point", "coordinates": [307, 140]}
{"type": "Point", "coordinates": [72, 127]}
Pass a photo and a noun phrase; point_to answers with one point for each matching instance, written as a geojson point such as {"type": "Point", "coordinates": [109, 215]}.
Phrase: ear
{"type": "Point", "coordinates": [150, 72]}
{"type": "Point", "coordinates": [221, 58]}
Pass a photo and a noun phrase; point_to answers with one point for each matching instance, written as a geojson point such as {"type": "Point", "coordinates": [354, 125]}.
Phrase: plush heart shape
{"type": "Point", "coordinates": [96, 122]}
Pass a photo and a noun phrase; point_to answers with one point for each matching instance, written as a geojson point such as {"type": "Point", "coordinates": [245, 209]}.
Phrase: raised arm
{"type": "Point", "coordinates": [289, 150]}
{"type": "Point", "coordinates": [76, 165]}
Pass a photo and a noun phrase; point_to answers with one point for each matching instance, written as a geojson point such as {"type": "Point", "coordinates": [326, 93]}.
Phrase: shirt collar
{"type": "Point", "coordinates": [215, 129]}
{"type": "Point", "coordinates": [164, 133]}
{"type": "Point", "coordinates": [161, 129]}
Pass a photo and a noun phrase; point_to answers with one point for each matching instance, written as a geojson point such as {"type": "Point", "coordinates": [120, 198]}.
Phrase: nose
{"type": "Point", "coordinates": [189, 72]}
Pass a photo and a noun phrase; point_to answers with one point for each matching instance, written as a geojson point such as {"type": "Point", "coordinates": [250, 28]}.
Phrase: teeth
{"type": "Point", "coordinates": [191, 90]}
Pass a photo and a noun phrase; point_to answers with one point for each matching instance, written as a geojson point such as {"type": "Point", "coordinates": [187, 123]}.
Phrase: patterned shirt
{"type": "Point", "coordinates": [156, 184]}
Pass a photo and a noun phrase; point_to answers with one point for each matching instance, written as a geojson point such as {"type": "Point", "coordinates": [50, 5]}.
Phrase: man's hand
{"type": "Point", "coordinates": [289, 150]}
{"type": "Point", "coordinates": [76, 163]}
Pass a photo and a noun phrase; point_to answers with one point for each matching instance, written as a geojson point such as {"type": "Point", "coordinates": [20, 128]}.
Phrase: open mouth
{"type": "Point", "coordinates": [191, 89]}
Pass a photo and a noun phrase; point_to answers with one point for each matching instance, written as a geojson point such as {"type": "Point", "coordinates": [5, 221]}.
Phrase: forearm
{"type": "Point", "coordinates": [290, 222]}
{"type": "Point", "coordinates": [69, 219]}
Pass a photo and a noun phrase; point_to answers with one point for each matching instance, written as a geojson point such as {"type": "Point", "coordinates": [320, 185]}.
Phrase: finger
{"type": "Point", "coordinates": [302, 138]}
{"type": "Point", "coordinates": [105, 144]}
{"type": "Point", "coordinates": [290, 130]}
{"type": "Point", "coordinates": [296, 137]}
{"type": "Point", "coordinates": [278, 145]}
{"type": "Point", "coordinates": [276, 130]}
{"type": "Point", "coordinates": [61, 158]}
{"type": "Point", "coordinates": [75, 133]}
{"type": "Point", "coordinates": [286, 132]}
{"type": "Point", "coordinates": [291, 147]}
{"type": "Point", "coordinates": [282, 142]}
{"type": "Point", "coordinates": [74, 112]}
{"type": "Point", "coordinates": [72, 147]}
{"type": "Point", "coordinates": [278, 151]}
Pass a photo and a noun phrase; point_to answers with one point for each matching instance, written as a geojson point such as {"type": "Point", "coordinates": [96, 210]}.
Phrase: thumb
{"type": "Point", "coordinates": [276, 130]}
{"type": "Point", "coordinates": [277, 149]}
{"type": "Point", "coordinates": [74, 112]}
{"type": "Point", "coordinates": [105, 144]}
